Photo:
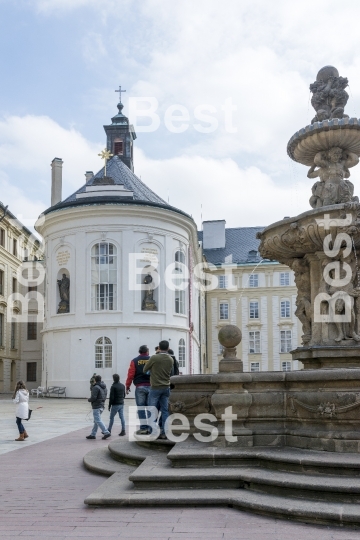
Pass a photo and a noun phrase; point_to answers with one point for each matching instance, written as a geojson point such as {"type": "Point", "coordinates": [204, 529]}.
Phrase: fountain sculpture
{"type": "Point", "coordinates": [294, 445]}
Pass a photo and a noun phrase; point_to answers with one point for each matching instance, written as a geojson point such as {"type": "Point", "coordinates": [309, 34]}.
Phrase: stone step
{"type": "Point", "coordinates": [100, 461]}
{"type": "Point", "coordinates": [118, 491]}
{"type": "Point", "coordinates": [156, 473]}
{"type": "Point", "coordinates": [129, 452]}
{"type": "Point", "coordinates": [280, 458]}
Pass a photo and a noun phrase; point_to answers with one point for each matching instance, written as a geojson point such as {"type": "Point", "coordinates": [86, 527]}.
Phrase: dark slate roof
{"type": "Point", "coordinates": [238, 243]}
{"type": "Point", "coordinates": [122, 175]}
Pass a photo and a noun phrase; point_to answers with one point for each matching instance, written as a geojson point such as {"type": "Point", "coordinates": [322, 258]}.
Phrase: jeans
{"type": "Point", "coordinates": [160, 400]}
{"type": "Point", "coordinates": [114, 410]}
{"type": "Point", "coordinates": [20, 425]}
{"type": "Point", "coordinates": [142, 400]}
{"type": "Point", "coordinates": [98, 422]}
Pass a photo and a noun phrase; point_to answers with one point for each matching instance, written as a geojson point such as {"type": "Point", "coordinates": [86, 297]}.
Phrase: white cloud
{"type": "Point", "coordinates": [244, 197]}
{"type": "Point", "coordinates": [28, 144]}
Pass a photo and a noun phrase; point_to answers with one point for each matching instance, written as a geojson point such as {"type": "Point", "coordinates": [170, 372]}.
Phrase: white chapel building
{"type": "Point", "coordinates": [101, 245]}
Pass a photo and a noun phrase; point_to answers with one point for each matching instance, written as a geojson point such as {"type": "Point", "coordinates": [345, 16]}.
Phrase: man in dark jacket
{"type": "Point", "coordinates": [116, 403]}
{"type": "Point", "coordinates": [97, 400]}
{"type": "Point", "coordinates": [141, 381]}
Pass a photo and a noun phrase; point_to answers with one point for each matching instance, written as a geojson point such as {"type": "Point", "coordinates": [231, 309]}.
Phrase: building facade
{"type": "Point", "coordinates": [116, 258]}
{"type": "Point", "coordinates": [256, 295]}
{"type": "Point", "coordinates": [20, 354]}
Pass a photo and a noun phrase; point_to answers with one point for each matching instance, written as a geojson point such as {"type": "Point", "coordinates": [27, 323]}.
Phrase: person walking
{"type": "Point", "coordinates": [160, 366]}
{"type": "Point", "coordinates": [21, 398]}
{"type": "Point", "coordinates": [116, 403]}
{"type": "Point", "coordinates": [97, 400]}
{"type": "Point", "coordinates": [141, 381]}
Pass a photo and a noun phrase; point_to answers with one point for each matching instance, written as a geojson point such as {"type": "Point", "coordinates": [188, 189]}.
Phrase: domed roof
{"type": "Point", "coordinates": [117, 174]}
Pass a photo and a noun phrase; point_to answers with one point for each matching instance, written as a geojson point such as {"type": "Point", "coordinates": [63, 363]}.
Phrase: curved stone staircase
{"type": "Point", "coordinates": [310, 486]}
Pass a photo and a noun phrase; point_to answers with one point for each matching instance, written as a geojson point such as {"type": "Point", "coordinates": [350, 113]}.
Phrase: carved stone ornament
{"type": "Point", "coordinates": [327, 410]}
{"type": "Point", "coordinates": [180, 406]}
{"type": "Point", "coordinates": [148, 303]}
{"type": "Point", "coordinates": [64, 291]}
{"type": "Point", "coordinates": [328, 94]}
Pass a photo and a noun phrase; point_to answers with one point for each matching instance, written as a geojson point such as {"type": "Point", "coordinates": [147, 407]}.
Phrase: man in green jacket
{"type": "Point", "coordinates": [160, 366]}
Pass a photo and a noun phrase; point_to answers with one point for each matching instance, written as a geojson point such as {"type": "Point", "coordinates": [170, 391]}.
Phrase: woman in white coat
{"type": "Point", "coordinates": [21, 398]}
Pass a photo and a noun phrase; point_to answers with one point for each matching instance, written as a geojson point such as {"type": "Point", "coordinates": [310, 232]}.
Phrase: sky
{"type": "Point", "coordinates": [235, 73]}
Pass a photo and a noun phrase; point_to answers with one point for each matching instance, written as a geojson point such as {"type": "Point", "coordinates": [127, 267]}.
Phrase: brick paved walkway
{"type": "Point", "coordinates": [43, 486]}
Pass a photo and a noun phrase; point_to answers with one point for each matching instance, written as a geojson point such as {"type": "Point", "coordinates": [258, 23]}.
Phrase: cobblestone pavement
{"type": "Point", "coordinates": [43, 487]}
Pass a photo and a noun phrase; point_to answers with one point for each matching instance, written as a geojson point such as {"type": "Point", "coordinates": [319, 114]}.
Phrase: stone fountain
{"type": "Point", "coordinates": [293, 449]}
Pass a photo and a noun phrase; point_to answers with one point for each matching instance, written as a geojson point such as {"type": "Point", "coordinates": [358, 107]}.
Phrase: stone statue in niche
{"type": "Point", "coordinates": [303, 299]}
{"type": "Point", "coordinates": [333, 171]}
{"type": "Point", "coordinates": [64, 290]}
{"type": "Point", "coordinates": [148, 303]}
{"type": "Point", "coordinates": [329, 96]}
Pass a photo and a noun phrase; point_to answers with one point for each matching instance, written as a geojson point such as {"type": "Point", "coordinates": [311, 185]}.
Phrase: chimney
{"type": "Point", "coordinates": [56, 180]}
{"type": "Point", "coordinates": [214, 234]}
{"type": "Point", "coordinates": [88, 175]}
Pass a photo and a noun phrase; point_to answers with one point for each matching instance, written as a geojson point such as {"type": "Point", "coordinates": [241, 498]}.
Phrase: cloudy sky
{"type": "Point", "coordinates": [61, 61]}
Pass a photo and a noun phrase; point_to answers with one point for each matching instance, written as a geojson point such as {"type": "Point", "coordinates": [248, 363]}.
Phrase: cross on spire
{"type": "Point", "coordinates": [120, 92]}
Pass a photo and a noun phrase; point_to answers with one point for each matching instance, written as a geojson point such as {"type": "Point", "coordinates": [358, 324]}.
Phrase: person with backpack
{"type": "Point", "coordinates": [116, 403]}
{"type": "Point", "coordinates": [141, 381]}
{"type": "Point", "coordinates": [97, 400]}
{"type": "Point", "coordinates": [175, 369]}
{"type": "Point", "coordinates": [21, 398]}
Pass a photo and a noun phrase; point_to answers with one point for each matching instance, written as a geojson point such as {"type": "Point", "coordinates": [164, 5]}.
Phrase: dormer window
{"type": "Point", "coordinates": [118, 148]}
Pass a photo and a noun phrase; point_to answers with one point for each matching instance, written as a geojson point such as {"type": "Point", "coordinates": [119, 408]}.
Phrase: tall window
{"type": "Point", "coordinates": [31, 371]}
{"type": "Point", "coordinates": [15, 247]}
{"type": "Point", "coordinates": [14, 285]}
{"type": "Point", "coordinates": [1, 329]}
{"type": "Point", "coordinates": [13, 335]}
{"type": "Point", "coordinates": [118, 148]}
{"type": "Point", "coordinates": [181, 352]}
{"type": "Point", "coordinates": [179, 294]}
{"type": "Point", "coordinates": [254, 342]}
{"type": "Point", "coordinates": [254, 309]}
{"type": "Point", "coordinates": [103, 353]}
{"type": "Point", "coordinates": [285, 308]}
{"type": "Point", "coordinates": [255, 366]}
{"type": "Point", "coordinates": [223, 282]}
{"type": "Point", "coordinates": [286, 366]}
{"type": "Point", "coordinates": [2, 282]}
{"type": "Point", "coordinates": [284, 279]}
{"type": "Point", "coordinates": [254, 280]}
{"type": "Point", "coordinates": [103, 277]}
{"type": "Point", "coordinates": [2, 237]}
{"type": "Point", "coordinates": [223, 311]}
{"type": "Point", "coordinates": [285, 341]}
{"type": "Point", "coordinates": [31, 330]}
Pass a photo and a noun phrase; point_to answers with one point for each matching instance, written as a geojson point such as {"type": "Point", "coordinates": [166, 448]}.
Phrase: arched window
{"type": "Point", "coordinates": [103, 353]}
{"type": "Point", "coordinates": [179, 294]}
{"type": "Point", "coordinates": [181, 353]}
{"type": "Point", "coordinates": [103, 277]}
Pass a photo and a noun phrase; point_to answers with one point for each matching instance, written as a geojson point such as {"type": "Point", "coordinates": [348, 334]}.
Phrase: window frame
{"type": "Point", "coordinates": [221, 318]}
{"type": "Point", "coordinates": [2, 237]}
{"type": "Point", "coordinates": [285, 341]}
{"type": "Point", "coordinates": [256, 339]}
{"type": "Point", "coordinates": [254, 281]}
{"type": "Point", "coordinates": [253, 364]}
{"type": "Point", "coordinates": [2, 282]}
{"type": "Point", "coordinates": [255, 309]}
{"type": "Point", "coordinates": [104, 295]}
{"type": "Point", "coordinates": [179, 296]}
{"type": "Point", "coordinates": [31, 331]}
{"type": "Point", "coordinates": [286, 363]}
{"type": "Point", "coordinates": [223, 281]}
{"type": "Point", "coordinates": [182, 353]}
{"type": "Point", "coordinates": [285, 307]}
{"type": "Point", "coordinates": [283, 278]}
{"type": "Point", "coordinates": [103, 346]}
